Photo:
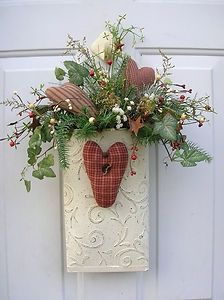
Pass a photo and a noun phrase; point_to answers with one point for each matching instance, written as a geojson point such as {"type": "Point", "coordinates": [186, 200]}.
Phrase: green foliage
{"type": "Point", "coordinates": [146, 135]}
{"type": "Point", "coordinates": [119, 32]}
{"type": "Point", "coordinates": [46, 136]}
{"type": "Point", "coordinates": [35, 140]}
{"type": "Point", "coordinates": [44, 168]}
{"type": "Point", "coordinates": [34, 148]}
{"type": "Point", "coordinates": [105, 120]}
{"type": "Point", "coordinates": [27, 185]}
{"type": "Point", "coordinates": [190, 154]}
{"type": "Point", "coordinates": [76, 72]}
{"type": "Point", "coordinates": [166, 128]}
{"type": "Point", "coordinates": [118, 77]}
{"type": "Point", "coordinates": [63, 131]}
{"type": "Point", "coordinates": [59, 74]}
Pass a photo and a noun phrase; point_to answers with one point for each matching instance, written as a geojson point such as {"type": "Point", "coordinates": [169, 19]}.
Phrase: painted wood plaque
{"type": "Point", "coordinates": [113, 239]}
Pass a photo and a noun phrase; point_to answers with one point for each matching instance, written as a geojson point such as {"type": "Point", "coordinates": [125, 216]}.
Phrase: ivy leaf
{"type": "Point", "coordinates": [44, 168]}
{"type": "Point", "coordinates": [38, 174]}
{"type": "Point", "coordinates": [59, 74]}
{"type": "Point", "coordinates": [46, 162]}
{"type": "Point", "coordinates": [76, 72]}
{"type": "Point", "coordinates": [35, 140]}
{"type": "Point", "coordinates": [71, 65]}
{"type": "Point", "coordinates": [32, 156]}
{"type": "Point", "coordinates": [75, 78]}
{"type": "Point", "coordinates": [166, 128]}
{"type": "Point", "coordinates": [46, 136]}
{"type": "Point", "coordinates": [48, 172]}
{"type": "Point", "coordinates": [34, 147]}
{"type": "Point", "coordinates": [27, 185]}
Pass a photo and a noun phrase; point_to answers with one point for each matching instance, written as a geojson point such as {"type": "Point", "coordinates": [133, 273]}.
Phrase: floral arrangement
{"type": "Point", "coordinates": [102, 88]}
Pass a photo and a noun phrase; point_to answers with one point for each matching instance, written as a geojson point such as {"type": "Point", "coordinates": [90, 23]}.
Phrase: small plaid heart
{"type": "Point", "coordinates": [105, 170]}
{"type": "Point", "coordinates": [138, 77]}
{"type": "Point", "coordinates": [78, 98]}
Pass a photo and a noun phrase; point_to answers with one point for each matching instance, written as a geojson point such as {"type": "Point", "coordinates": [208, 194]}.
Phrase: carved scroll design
{"type": "Point", "coordinates": [97, 237]}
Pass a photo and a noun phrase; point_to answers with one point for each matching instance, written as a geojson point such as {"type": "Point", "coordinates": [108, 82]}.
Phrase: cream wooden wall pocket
{"type": "Point", "coordinates": [109, 239]}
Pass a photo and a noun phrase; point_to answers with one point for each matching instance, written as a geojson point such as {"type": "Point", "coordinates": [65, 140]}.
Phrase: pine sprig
{"type": "Point", "coordinates": [62, 133]}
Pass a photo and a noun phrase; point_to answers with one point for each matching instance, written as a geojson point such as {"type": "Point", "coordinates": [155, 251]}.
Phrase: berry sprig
{"type": "Point", "coordinates": [133, 158]}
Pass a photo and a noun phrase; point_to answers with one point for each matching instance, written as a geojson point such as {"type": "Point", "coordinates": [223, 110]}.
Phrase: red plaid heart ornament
{"type": "Point", "coordinates": [105, 170]}
{"type": "Point", "coordinates": [138, 77]}
{"type": "Point", "coordinates": [78, 98]}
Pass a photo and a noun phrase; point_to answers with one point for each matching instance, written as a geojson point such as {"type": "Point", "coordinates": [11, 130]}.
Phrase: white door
{"type": "Point", "coordinates": [186, 205]}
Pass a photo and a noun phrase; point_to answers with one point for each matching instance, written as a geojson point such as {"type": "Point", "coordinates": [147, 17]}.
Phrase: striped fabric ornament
{"type": "Point", "coordinates": [138, 77]}
{"type": "Point", "coordinates": [105, 170]}
{"type": "Point", "coordinates": [70, 97]}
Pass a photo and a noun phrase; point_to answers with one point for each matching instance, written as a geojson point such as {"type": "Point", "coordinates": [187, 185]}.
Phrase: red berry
{"type": "Point", "coordinates": [134, 157]}
{"type": "Point", "coordinates": [31, 114]}
{"type": "Point", "coordinates": [161, 99]}
{"type": "Point", "coordinates": [12, 143]}
{"type": "Point", "coordinates": [109, 62]}
{"type": "Point", "coordinates": [182, 97]}
{"type": "Point", "coordinates": [91, 72]}
{"type": "Point", "coordinates": [175, 145]}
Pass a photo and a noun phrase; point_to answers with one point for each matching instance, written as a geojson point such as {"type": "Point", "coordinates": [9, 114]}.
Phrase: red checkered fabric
{"type": "Point", "coordinates": [138, 77]}
{"type": "Point", "coordinates": [105, 170]}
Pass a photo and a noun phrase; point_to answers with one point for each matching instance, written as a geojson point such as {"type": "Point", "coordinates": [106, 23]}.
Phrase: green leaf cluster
{"type": "Point", "coordinates": [27, 185]}
{"type": "Point", "coordinates": [41, 167]}
{"type": "Point", "coordinates": [44, 168]}
{"type": "Point", "coordinates": [75, 72]}
{"type": "Point", "coordinates": [34, 148]}
{"type": "Point", "coordinates": [63, 132]}
{"type": "Point", "coordinates": [190, 154]}
{"type": "Point", "coordinates": [166, 128]}
{"type": "Point", "coordinates": [146, 135]}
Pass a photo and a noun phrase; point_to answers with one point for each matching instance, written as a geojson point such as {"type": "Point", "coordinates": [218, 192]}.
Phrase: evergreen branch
{"type": "Point", "coordinates": [62, 135]}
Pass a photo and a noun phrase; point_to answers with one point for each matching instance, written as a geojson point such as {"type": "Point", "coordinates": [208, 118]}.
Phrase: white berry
{"type": "Point", "coordinates": [92, 120]}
